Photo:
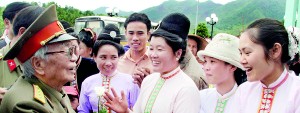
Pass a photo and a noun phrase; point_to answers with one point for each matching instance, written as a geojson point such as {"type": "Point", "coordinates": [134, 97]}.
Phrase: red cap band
{"type": "Point", "coordinates": [38, 40]}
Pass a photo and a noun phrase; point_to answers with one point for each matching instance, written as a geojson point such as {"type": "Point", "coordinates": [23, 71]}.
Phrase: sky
{"type": "Point", "coordinates": [124, 5]}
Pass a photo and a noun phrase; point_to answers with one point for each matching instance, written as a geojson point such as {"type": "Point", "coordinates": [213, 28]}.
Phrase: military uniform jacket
{"type": "Point", "coordinates": [7, 77]}
{"type": "Point", "coordinates": [33, 96]}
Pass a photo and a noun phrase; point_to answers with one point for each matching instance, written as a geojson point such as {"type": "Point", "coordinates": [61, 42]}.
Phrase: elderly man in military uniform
{"type": "Point", "coordinates": [47, 55]}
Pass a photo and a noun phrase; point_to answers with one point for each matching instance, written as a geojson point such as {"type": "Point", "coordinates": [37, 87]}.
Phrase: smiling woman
{"type": "Point", "coordinates": [106, 55]}
{"type": "Point", "coordinates": [168, 89]}
{"type": "Point", "coordinates": [264, 47]}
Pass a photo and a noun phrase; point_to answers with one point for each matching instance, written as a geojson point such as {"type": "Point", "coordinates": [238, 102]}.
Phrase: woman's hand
{"type": "Point", "coordinates": [117, 104]}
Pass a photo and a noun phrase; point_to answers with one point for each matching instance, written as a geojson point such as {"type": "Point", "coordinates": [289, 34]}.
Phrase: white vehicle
{"type": "Point", "coordinates": [97, 23]}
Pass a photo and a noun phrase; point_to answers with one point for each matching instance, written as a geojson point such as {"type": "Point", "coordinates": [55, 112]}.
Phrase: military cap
{"type": "Point", "coordinates": [44, 30]}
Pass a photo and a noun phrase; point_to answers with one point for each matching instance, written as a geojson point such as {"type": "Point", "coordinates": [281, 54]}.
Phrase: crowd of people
{"type": "Point", "coordinates": [46, 67]}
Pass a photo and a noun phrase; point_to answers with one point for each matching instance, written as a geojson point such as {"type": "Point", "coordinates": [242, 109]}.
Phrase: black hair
{"type": "Point", "coordinates": [12, 9]}
{"type": "Point", "coordinates": [140, 17]}
{"type": "Point", "coordinates": [26, 17]}
{"type": "Point", "coordinates": [75, 35]}
{"type": "Point", "coordinates": [67, 26]}
{"type": "Point", "coordinates": [239, 75]}
{"type": "Point", "coordinates": [267, 32]}
{"type": "Point", "coordinates": [100, 43]}
{"type": "Point", "coordinates": [174, 42]}
{"type": "Point", "coordinates": [105, 33]}
{"type": "Point", "coordinates": [86, 37]}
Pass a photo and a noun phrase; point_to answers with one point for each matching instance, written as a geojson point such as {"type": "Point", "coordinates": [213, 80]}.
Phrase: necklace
{"type": "Point", "coordinates": [268, 95]}
{"type": "Point", "coordinates": [222, 102]}
{"type": "Point", "coordinates": [156, 90]}
{"type": "Point", "coordinates": [106, 84]}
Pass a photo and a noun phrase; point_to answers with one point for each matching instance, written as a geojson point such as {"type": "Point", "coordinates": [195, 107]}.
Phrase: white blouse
{"type": "Point", "coordinates": [286, 97]}
{"type": "Point", "coordinates": [213, 102]}
{"type": "Point", "coordinates": [178, 94]}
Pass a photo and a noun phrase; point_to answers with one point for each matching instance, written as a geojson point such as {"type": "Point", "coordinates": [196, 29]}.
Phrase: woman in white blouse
{"type": "Point", "coordinates": [222, 69]}
{"type": "Point", "coordinates": [265, 48]}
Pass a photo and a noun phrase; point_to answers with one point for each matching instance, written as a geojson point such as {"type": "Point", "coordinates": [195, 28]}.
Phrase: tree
{"type": "Point", "coordinates": [1, 22]}
{"type": "Point", "coordinates": [202, 30]}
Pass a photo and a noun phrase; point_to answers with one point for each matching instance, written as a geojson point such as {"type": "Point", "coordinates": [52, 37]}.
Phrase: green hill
{"type": "Point", "coordinates": [233, 17]}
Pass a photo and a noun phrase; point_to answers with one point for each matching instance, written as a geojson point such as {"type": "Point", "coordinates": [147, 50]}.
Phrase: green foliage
{"type": "Point", "coordinates": [201, 30]}
{"type": "Point", "coordinates": [234, 17]}
{"type": "Point", "coordinates": [69, 13]}
{"type": "Point", "coordinates": [1, 22]}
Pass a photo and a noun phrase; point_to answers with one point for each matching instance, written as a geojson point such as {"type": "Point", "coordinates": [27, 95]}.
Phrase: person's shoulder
{"type": "Point", "coordinates": [22, 97]}
{"type": "Point", "coordinates": [249, 86]}
{"type": "Point", "coordinates": [91, 78]}
{"type": "Point", "coordinates": [150, 78]}
{"type": "Point", "coordinates": [87, 61]}
{"type": "Point", "coordinates": [23, 91]}
{"type": "Point", "coordinates": [207, 91]}
{"type": "Point", "coordinates": [207, 94]}
{"type": "Point", "coordinates": [125, 76]}
{"type": "Point", "coordinates": [293, 79]}
{"type": "Point", "coordinates": [186, 78]}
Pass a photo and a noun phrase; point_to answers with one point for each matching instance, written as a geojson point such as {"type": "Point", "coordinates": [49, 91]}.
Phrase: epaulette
{"type": "Point", "coordinates": [38, 94]}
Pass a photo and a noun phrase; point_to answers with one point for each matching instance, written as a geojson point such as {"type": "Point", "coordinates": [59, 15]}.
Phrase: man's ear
{"type": "Point", "coordinates": [38, 65]}
{"type": "Point", "coordinates": [21, 31]}
{"type": "Point", "coordinates": [6, 23]}
{"type": "Point", "coordinates": [275, 52]}
{"type": "Point", "coordinates": [148, 35]}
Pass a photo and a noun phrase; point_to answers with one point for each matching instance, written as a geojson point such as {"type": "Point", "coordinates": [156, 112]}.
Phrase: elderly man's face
{"type": "Point", "coordinates": [60, 66]}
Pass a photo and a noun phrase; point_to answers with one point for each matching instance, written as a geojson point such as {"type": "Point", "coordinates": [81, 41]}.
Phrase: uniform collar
{"type": "Point", "coordinates": [49, 90]}
{"type": "Point", "coordinates": [6, 48]}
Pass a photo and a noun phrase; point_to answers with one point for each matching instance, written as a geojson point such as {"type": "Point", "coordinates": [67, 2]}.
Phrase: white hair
{"type": "Point", "coordinates": [28, 70]}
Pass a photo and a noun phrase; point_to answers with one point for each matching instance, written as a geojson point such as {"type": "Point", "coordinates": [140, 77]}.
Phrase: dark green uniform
{"type": "Point", "coordinates": [7, 77]}
{"type": "Point", "coordinates": [31, 95]}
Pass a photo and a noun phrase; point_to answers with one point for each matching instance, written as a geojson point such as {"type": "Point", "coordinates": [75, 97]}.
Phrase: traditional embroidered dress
{"type": "Point", "coordinates": [282, 96]}
{"type": "Point", "coordinates": [174, 92]}
{"type": "Point", "coordinates": [88, 100]}
{"type": "Point", "coordinates": [213, 102]}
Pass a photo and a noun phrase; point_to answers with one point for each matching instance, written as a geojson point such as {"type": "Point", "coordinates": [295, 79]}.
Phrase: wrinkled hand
{"type": "Point", "coordinates": [117, 104]}
{"type": "Point", "coordinates": [2, 92]}
{"type": "Point", "coordinates": [139, 75]}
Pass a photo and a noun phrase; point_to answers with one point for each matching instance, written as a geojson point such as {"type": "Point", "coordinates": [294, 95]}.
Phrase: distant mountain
{"type": "Point", "coordinates": [101, 10]}
{"type": "Point", "coordinates": [233, 17]}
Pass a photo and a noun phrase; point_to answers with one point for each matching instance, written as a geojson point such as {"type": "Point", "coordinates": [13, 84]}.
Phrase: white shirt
{"type": "Point", "coordinates": [286, 99]}
{"type": "Point", "coordinates": [209, 99]}
{"type": "Point", "coordinates": [7, 40]}
{"type": "Point", "coordinates": [178, 94]}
